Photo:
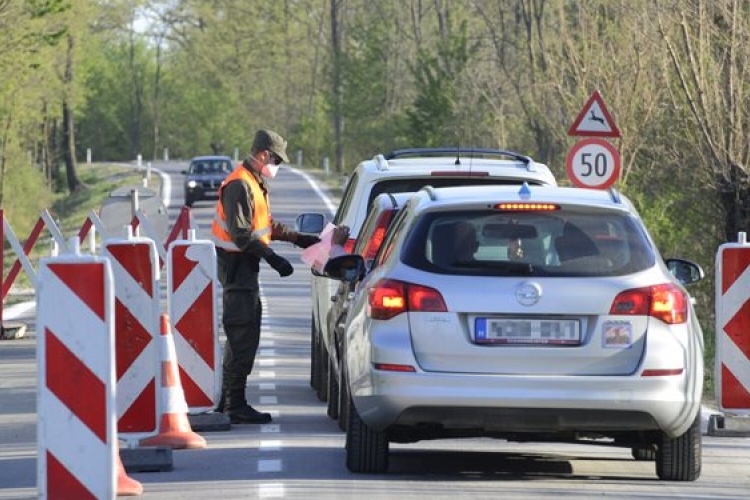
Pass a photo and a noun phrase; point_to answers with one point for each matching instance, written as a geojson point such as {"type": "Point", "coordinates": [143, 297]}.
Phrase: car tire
{"type": "Point", "coordinates": [644, 454]}
{"type": "Point", "coordinates": [366, 449]}
{"type": "Point", "coordinates": [322, 365]}
{"type": "Point", "coordinates": [680, 458]}
{"type": "Point", "coordinates": [343, 396]}
{"type": "Point", "coordinates": [313, 354]}
{"type": "Point", "coordinates": [333, 393]}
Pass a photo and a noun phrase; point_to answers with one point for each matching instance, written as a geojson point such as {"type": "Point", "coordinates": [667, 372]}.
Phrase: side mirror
{"type": "Point", "coordinates": [311, 223]}
{"type": "Point", "coordinates": [348, 268]}
{"type": "Point", "coordinates": [687, 272]}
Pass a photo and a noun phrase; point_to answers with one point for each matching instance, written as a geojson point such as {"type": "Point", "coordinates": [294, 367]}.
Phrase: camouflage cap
{"type": "Point", "coordinates": [268, 140]}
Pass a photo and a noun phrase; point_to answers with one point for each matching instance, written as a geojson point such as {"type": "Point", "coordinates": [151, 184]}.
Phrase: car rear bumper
{"type": "Point", "coordinates": [528, 404]}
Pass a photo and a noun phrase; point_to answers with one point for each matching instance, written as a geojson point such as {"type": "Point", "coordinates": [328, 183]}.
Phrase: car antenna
{"type": "Point", "coordinates": [458, 153]}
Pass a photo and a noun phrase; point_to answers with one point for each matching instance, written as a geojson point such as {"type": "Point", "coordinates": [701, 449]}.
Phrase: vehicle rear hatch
{"type": "Point", "coordinates": [568, 331]}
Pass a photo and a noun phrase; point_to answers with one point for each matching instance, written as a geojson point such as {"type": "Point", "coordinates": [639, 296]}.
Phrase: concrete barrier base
{"type": "Point", "coordinates": [147, 459]}
{"type": "Point", "coordinates": [12, 330]}
{"type": "Point", "coordinates": [209, 422]}
{"type": "Point", "coordinates": [729, 426]}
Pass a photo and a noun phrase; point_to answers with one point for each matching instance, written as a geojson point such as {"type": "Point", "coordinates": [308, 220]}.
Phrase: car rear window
{"type": "Point", "coordinates": [412, 185]}
{"type": "Point", "coordinates": [560, 243]}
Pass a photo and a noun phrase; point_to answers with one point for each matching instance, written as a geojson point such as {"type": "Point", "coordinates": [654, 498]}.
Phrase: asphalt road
{"type": "Point", "coordinates": [301, 453]}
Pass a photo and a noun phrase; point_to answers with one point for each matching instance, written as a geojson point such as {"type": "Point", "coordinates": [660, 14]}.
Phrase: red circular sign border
{"type": "Point", "coordinates": [599, 142]}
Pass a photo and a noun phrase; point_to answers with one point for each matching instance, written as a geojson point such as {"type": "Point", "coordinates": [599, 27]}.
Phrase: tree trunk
{"type": "Point", "coordinates": [69, 142]}
{"type": "Point", "coordinates": [338, 120]}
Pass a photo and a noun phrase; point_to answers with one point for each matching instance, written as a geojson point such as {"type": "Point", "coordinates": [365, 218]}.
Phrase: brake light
{"type": "Point", "coordinates": [666, 302]}
{"type": "Point", "coordinates": [377, 236]}
{"type": "Point", "coordinates": [349, 245]}
{"type": "Point", "coordinates": [527, 207]}
{"type": "Point", "coordinates": [389, 298]}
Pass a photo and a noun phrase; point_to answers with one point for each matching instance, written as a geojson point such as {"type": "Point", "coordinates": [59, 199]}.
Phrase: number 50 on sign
{"type": "Point", "coordinates": [593, 163]}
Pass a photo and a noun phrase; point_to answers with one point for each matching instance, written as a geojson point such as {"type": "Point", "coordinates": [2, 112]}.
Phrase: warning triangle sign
{"type": "Point", "coordinates": [594, 120]}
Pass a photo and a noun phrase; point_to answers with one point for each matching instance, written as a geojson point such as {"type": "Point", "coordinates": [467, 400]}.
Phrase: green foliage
{"type": "Point", "coordinates": [313, 135]}
{"type": "Point", "coordinates": [28, 196]}
{"type": "Point", "coordinates": [42, 8]}
{"type": "Point", "coordinates": [432, 120]}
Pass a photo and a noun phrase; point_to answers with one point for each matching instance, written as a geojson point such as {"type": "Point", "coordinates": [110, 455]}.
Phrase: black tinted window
{"type": "Point", "coordinates": [529, 243]}
{"type": "Point", "coordinates": [414, 185]}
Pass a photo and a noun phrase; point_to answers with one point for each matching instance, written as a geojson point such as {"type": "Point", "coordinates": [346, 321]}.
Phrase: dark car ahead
{"type": "Point", "coordinates": [204, 176]}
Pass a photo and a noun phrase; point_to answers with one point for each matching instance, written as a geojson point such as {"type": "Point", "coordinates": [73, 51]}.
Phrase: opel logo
{"type": "Point", "coordinates": [527, 294]}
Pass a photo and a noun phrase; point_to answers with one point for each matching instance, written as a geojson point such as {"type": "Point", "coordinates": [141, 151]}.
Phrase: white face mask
{"type": "Point", "coordinates": [267, 170]}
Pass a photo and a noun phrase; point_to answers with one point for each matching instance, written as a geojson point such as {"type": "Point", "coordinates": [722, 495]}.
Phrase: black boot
{"type": "Point", "coordinates": [248, 415]}
{"type": "Point", "coordinates": [242, 413]}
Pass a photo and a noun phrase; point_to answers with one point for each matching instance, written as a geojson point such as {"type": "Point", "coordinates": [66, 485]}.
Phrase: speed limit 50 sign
{"type": "Point", "coordinates": [593, 163]}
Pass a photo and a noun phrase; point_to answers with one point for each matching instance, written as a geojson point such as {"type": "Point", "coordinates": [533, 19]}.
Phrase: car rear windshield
{"type": "Point", "coordinates": [560, 243]}
{"type": "Point", "coordinates": [413, 185]}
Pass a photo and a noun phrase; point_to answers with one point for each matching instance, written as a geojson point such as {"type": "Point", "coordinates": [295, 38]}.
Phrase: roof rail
{"type": "Point", "coordinates": [615, 195]}
{"type": "Point", "coordinates": [430, 192]}
{"type": "Point", "coordinates": [459, 151]}
{"type": "Point", "coordinates": [380, 162]}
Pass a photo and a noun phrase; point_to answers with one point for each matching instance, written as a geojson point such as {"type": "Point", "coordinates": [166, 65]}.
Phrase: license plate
{"type": "Point", "coordinates": [527, 331]}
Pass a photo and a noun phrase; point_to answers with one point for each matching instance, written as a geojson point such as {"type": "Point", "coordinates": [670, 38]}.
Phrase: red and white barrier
{"type": "Point", "coordinates": [192, 292]}
{"type": "Point", "coordinates": [77, 441]}
{"type": "Point", "coordinates": [135, 266]}
{"type": "Point", "coordinates": [732, 367]}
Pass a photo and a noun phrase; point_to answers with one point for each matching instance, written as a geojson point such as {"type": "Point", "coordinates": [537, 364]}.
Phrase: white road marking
{"type": "Point", "coordinates": [269, 445]}
{"type": "Point", "coordinates": [271, 490]}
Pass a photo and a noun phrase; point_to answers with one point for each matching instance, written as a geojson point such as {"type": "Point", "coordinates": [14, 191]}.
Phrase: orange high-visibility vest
{"type": "Point", "coordinates": [261, 212]}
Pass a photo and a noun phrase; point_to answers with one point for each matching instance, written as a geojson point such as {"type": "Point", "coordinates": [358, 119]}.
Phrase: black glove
{"type": "Point", "coordinates": [282, 266]}
{"type": "Point", "coordinates": [306, 240]}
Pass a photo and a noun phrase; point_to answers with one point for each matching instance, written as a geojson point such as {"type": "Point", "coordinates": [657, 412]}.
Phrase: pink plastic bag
{"type": "Point", "coordinates": [318, 254]}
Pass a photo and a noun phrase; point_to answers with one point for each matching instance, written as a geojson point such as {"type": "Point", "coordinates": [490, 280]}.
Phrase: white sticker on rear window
{"type": "Point", "coordinates": [617, 334]}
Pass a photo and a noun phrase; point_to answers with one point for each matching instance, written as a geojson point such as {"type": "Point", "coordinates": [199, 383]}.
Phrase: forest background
{"type": "Point", "coordinates": [347, 79]}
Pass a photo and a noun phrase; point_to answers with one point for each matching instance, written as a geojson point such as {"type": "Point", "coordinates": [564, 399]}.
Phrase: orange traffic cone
{"type": "Point", "coordinates": [126, 486]}
{"type": "Point", "coordinates": [174, 428]}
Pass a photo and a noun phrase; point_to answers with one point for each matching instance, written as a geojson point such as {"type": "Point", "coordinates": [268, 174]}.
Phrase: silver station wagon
{"type": "Point", "coordinates": [529, 313]}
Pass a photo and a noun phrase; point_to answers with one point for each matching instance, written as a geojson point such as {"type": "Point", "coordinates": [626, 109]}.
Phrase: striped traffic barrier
{"type": "Point", "coordinates": [174, 428]}
{"type": "Point", "coordinates": [732, 360]}
{"type": "Point", "coordinates": [77, 442]}
{"type": "Point", "coordinates": [136, 273]}
{"type": "Point", "coordinates": [732, 320]}
{"type": "Point", "coordinates": [192, 305]}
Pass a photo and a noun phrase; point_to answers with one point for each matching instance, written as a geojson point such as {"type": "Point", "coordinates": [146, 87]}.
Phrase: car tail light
{"type": "Point", "coordinates": [349, 245]}
{"type": "Point", "coordinates": [666, 302]}
{"type": "Point", "coordinates": [377, 236]}
{"type": "Point", "coordinates": [389, 298]}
